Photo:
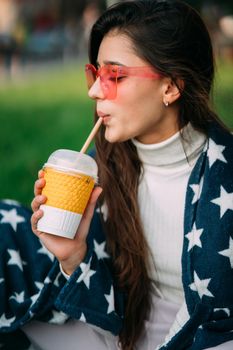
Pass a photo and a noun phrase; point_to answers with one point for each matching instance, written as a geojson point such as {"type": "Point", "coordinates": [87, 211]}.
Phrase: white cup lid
{"type": "Point", "coordinates": [73, 161]}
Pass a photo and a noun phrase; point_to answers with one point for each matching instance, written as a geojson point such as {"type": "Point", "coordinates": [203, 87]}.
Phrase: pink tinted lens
{"type": "Point", "coordinates": [108, 78]}
{"type": "Point", "coordinates": [90, 72]}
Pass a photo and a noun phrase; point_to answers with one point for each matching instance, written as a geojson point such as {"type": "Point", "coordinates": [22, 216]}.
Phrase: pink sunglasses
{"type": "Point", "coordinates": [110, 74]}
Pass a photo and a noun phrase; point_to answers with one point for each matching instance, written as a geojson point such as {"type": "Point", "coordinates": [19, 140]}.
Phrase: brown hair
{"type": "Point", "coordinates": [172, 37]}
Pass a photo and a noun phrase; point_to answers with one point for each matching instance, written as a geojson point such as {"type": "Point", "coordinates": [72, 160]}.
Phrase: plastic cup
{"type": "Point", "coordinates": [70, 178]}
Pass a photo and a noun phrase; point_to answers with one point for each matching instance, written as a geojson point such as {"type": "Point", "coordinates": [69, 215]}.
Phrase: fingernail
{"type": "Point", "coordinates": [37, 214]}
{"type": "Point", "coordinates": [41, 198]}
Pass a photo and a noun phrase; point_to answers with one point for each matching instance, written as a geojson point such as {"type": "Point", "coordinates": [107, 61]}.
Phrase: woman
{"type": "Point", "coordinates": [164, 278]}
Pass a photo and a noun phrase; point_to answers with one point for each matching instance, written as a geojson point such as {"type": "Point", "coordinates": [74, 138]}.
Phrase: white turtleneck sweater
{"type": "Point", "coordinates": [167, 166]}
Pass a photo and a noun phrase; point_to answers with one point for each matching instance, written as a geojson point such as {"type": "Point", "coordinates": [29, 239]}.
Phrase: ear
{"type": "Point", "coordinates": [172, 91]}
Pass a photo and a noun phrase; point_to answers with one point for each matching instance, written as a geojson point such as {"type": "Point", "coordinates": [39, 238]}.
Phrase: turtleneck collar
{"type": "Point", "coordinates": [176, 151]}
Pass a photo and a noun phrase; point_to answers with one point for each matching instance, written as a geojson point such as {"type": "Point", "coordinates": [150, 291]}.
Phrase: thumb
{"type": "Point", "coordinates": [88, 213]}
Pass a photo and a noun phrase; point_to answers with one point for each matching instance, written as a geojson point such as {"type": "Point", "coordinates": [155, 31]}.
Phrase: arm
{"type": "Point", "coordinates": [28, 272]}
{"type": "Point", "coordinates": [90, 293]}
{"type": "Point", "coordinates": [69, 252]}
{"type": "Point", "coordinates": [33, 286]}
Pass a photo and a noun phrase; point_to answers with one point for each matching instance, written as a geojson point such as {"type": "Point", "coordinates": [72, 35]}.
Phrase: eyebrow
{"type": "Point", "coordinates": [114, 63]}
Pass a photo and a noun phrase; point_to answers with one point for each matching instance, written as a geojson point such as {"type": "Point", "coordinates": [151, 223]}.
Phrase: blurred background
{"type": "Point", "coordinates": [43, 96]}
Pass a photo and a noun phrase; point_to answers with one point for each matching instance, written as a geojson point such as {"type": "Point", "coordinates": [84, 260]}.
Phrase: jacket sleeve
{"type": "Point", "coordinates": [29, 274]}
{"type": "Point", "coordinates": [33, 287]}
{"type": "Point", "coordinates": [91, 294]}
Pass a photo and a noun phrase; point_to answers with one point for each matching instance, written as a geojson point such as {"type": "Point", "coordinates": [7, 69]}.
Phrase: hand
{"type": "Point", "coordinates": [70, 252]}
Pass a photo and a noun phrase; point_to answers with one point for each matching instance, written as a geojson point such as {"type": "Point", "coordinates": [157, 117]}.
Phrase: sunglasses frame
{"type": "Point", "coordinates": [109, 75]}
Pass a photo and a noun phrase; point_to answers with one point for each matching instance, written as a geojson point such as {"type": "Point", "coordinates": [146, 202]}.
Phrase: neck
{"type": "Point", "coordinates": [173, 151]}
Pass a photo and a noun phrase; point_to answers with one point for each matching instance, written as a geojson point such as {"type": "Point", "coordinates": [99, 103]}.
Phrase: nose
{"type": "Point", "coordinates": [96, 92]}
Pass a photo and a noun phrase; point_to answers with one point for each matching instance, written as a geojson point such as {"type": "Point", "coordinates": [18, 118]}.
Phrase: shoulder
{"type": "Point", "coordinates": [220, 147]}
{"type": "Point", "coordinates": [221, 136]}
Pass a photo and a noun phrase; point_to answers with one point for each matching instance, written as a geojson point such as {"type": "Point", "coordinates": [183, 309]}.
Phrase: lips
{"type": "Point", "coordinates": [106, 117]}
{"type": "Point", "coordinates": [102, 114]}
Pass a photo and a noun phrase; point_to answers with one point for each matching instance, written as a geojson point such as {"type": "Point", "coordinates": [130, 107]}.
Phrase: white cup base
{"type": "Point", "coordinates": [59, 222]}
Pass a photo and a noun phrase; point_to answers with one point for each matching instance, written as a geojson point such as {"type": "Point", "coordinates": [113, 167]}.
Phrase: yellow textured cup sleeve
{"type": "Point", "coordinates": [67, 191]}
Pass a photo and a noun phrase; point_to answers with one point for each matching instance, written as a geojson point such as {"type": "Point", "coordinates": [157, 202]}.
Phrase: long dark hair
{"type": "Point", "coordinates": [171, 36]}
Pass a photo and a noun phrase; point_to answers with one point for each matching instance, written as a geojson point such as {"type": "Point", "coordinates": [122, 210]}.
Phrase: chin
{"type": "Point", "coordinates": [113, 136]}
{"type": "Point", "coordinates": [112, 139]}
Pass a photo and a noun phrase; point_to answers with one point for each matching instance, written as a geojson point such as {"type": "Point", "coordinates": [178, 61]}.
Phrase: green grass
{"type": "Point", "coordinates": [223, 96]}
{"type": "Point", "coordinates": [51, 110]}
{"type": "Point", "coordinates": [37, 116]}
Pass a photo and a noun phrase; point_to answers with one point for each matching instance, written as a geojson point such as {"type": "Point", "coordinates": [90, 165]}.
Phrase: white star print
{"type": "Point", "coordinates": [45, 251]}
{"type": "Point", "coordinates": [225, 201]}
{"type": "Point", "coordinates": [6, 322]}
{"type": "Point", "coordinates": [194, 237]}
{"type": "Point", "coordinates": [201, 286]}
{"type": "Point", "coordinates": [39, 285]}
{"type": "Point", "coordinates": [104, 211]}
{"type": "Point", "coordinates": [82, 317]}
{"type": "Point", "coordinates": [56, 281]}
{"type": "Point", "coordinates": [225, 309]}
{"type": "Point", "coordinates": [34, 298]}
{"type": "Point", "coordinates": [197, 189]}
{"type": "Point", "coordinates": [19, 297]}
{"type": "Point", "coordinates": [100, 250]}
{"type": "Point", "coordinates": [110, 300]}
{"type": "Point", "coordinates": [11, 217]}
{"type": "Point", "coordinates": [86, 274]}
{"type": "Point", "coordinates": [15, 258]}
{"type": "Point", "coordinates": [228, 252]}
{"type": "Point", "coordinates": [11, 202]}
{"type": "Point", "coordinates": [31, 314]}
{"type": "Point", "coordinates": [47, 280]}
{"type": "Point", "coordinates": [215, 153]}
{"type": "Point", "coordinates": [59, 317]}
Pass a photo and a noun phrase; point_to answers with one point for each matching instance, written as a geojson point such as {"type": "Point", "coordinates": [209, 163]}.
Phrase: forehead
{"type": "Point", "coordinates": [118, 48]}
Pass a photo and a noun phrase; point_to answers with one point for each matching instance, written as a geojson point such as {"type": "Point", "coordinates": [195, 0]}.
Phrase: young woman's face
{"type": "Point", "coordinates": [138, 111]}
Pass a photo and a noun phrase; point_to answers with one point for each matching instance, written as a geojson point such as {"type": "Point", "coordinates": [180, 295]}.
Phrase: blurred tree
{"type": "Point", "coordinates": [76, 8]}
{"type": "Point", "coordinates": [225, 5]}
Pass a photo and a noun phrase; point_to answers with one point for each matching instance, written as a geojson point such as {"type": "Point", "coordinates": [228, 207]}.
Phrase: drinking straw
{"type": "Point", "coordinates": [92, 134]}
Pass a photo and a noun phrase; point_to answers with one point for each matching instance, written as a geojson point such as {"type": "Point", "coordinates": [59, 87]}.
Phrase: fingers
{"type": "Point", "coordinates": [38, 213]}
{"type": "Point", "coordinates": [92, 203]}
{"type": "Point", "coordinates": [88, 214]}
{"type": "Point", "coordinates": [40, 173]}
{"type": "Point", "coordinates": [37, 201]}
{"type": "Point", "coordinates": [34, 221]}
{"type": "Point", "coordinates": [39, 184]}
{"type": "Point", "coordinates": [38, 187]}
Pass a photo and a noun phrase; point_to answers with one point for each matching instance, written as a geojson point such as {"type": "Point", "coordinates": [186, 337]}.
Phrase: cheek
{"type": "Point", "coordinates": [140, 103]}
{"type": "Point", "coordinates": [136, 109]}
{"type": "Point", "coordinates": [143, 92]}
